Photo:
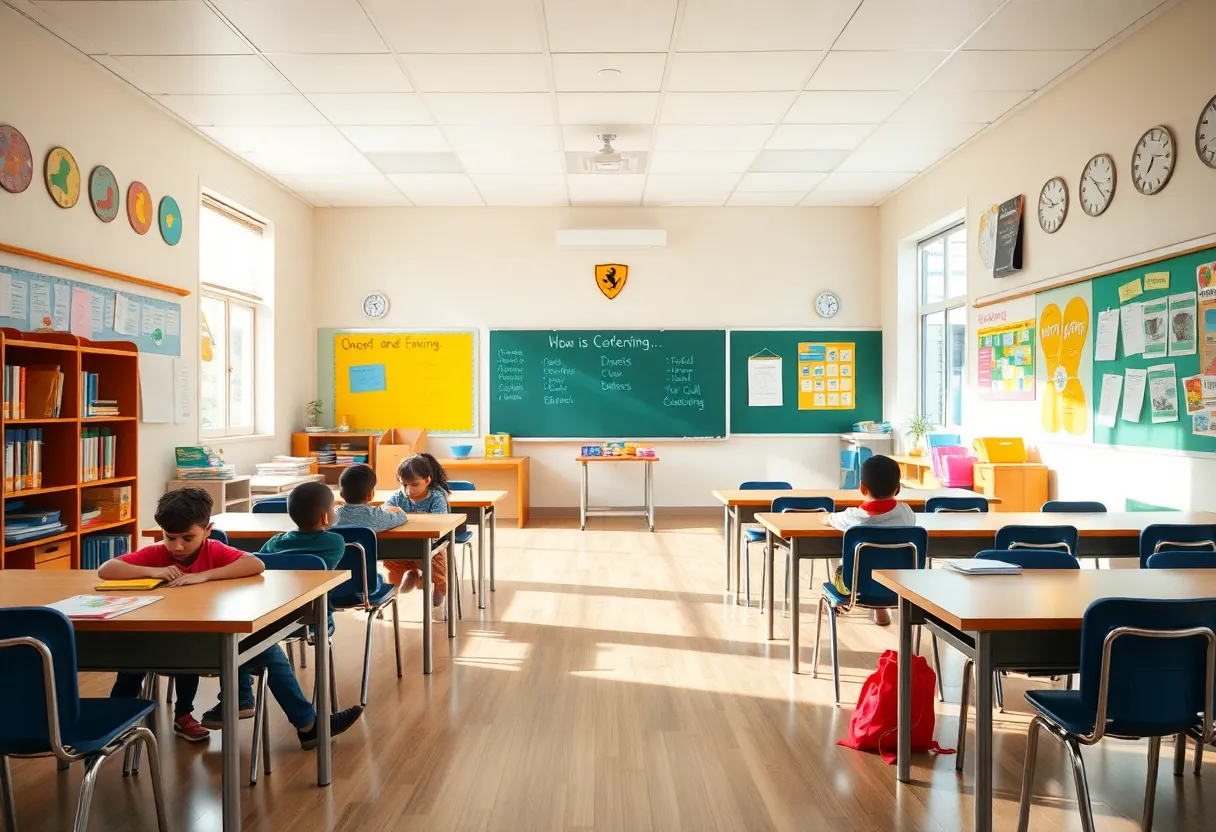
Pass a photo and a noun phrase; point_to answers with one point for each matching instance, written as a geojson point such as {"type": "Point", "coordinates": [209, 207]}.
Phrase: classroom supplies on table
{"type": "Point", "coordinates": [202, 463]}
{"type": "Point", "coordinates": [592, 450]}
{"type": "Point", "coordinates": [498, 445]}
{"type": "Point", "coordinates": [982, 567]}
{"type": "Point", "coordinates": [131, 584]}
{"type": "Point", "coordinates": [102, 607]}
{"type": "Point", "coordinates": [871, 427]}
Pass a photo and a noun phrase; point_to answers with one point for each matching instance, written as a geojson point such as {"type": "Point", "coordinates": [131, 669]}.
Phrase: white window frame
{"type": "Point", "coordinates": [229, 300]}
{"type": "Point", "coordinates": [944, 306]}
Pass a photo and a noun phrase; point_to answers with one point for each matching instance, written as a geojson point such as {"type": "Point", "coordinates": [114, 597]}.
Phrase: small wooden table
{"type": "Point", "coordinates": [210, 628]}
{"type": "Point", "coordinates": [1009, 622]}
{"type": "Point", "coordinates": [243, 527]}
{"type": "Point", "coordinates": [511, 474]}
{"type": "Point", "coordinates": [916, 471]}
{"type": "Point", "coordinates": [646, 510]}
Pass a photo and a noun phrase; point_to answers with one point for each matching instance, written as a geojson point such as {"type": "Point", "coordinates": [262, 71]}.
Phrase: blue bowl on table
{"type": "Point", "coordinates": [461, 451]}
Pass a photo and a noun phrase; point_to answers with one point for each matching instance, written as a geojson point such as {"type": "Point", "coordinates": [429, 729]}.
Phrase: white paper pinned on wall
{"type": "Point", "coordinates": [156, 387]}
{"type": "Point", "coordinates": [1133, 329]}
{"type": "Point", "coordinates": [1108, 335]}
{"type": "Point", "coordinates": [1108, 408]}
{"type": "Point", "coordinates": [6, 294]}
{"type": "Point", "coordinates": [63, 307]}
{"type": "Point", "coordinates": [764, 381]}
{"type": "Point", "coordinates": [1133, 394]}
{"type": "Point", "coordinates": [40, 305]}
{"type": "Point", "coordinates": [126, 315]}
{"type": "Point", "coordinates": [183, 391]}
{"type": "Point", "coordinates": [18, 304]}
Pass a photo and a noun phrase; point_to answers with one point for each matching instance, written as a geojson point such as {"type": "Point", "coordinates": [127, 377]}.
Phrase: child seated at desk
{"type": "Point", "coordinates": [189, 556]}
{"type": "Point", "coordinates": [424, 490]}
{"type": "Point", "coordinates": [880, 487]}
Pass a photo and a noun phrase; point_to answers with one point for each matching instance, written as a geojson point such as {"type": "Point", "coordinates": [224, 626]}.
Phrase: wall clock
{"type": "Point", "coordinates": [1205, 134]}
{"type": "Point", "coordinates": [1097, 186]}
{"type": "Point", "coordinates": [1153, 160]}
{"type": "Point", "coordinates": [827, 305]}
{"type": "Point", "coordinates": [1053, 205]}
{"type": "Point", "coordinates": [375, 305]}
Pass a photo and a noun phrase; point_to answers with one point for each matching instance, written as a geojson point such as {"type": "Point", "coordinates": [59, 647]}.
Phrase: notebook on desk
{"type": "Point", "coordinates": [983, 566]}
{"type": "Point", "coordinates": [101, 607]}
{"type": "Point", "coordinates": [132, 584]}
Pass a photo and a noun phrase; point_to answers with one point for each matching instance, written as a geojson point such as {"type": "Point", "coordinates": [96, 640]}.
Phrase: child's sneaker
{"type": "Point", "coordinates": [438, 596]}
{"type": "Point", "coordinates": [412, 581]}
{"type": "Point", "coordinates": [187, 727]}
{"type": "Point", "coordinates": [214, 718]}
{"type": "Point", "coordinates": [881, 617]}
{"type": "Point", "coordinates": [338, 724]}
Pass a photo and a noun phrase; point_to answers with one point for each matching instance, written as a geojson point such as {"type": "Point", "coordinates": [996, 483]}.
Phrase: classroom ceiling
{"type": "Point", "coordinates": [477, 102]}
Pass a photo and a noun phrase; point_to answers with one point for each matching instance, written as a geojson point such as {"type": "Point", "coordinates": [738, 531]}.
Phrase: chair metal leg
{"type": "Point", "coordinates": [963, 707]}
{"type": "Point", "coordinates": [169, 691]}
{"type": "Point", "coordinates": [303, 653]}
{"type": "Point", "coordinates": [467, 557]}
{"type": "Point", "coordinates": [1150, 786]}
{"type": "Point", "coordinates": [1078, 773]}
{"type": "Point", "coordinates": [396, 636]}
{"type": "Point", "coordinates": [835, 658]}
{"type": "Point", "coordinates": [785, 602]}
{"type": "Point", "coordinates": [937, 668]}
{"type": "Point", "coordinates": [747, 574]}
{"type": "Point", "coordinates": [367, 656]}
{"type": "Point", "coordinates": [998, 691]}
{"type": "Point", "coordinates": [6, 793]}
{"type": "Point", "coordinates": [1198, 755]}
{"type": "Point", "coordinates": [147, 738]}
{"type": "Point", "coordinates": [1068, 682]}
{"type": "Point", "coordinates": [1179, 754]}
{"type": "Point", "coordinates": [91, 765]}
{"type": "Point", "coordinates": [130, 756]}
{"type": "Point", "coordinates": [265, 740]}
{"type": "Point", "coordinates": [333, 682]}
{"type": "Point", "coordinates": [291, 656]}
{"type": "Point", "coordinates": [454, 580]}
{"type": "Point", "coordinates": [916, 646]}
{"type": "Point", "coordinates": [818, 631]}
{"type": "Point", "coordinates": [763, 576]}
{"type": "Point", "coordinates": [61, 765]}
{"type": "Point", "coordinates": [1032, 754]}
{"type": "Point", "coordinates": [259, 726]}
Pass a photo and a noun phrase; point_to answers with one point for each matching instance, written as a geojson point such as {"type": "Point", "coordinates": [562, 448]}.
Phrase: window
{"type": "Point", "coordinates": [942, 265]}
{"type": "Point", "coordinates": [233, 265]}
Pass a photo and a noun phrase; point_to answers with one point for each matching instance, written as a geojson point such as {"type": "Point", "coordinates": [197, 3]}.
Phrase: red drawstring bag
{"type": "Point", "coordinates": [873, 727]}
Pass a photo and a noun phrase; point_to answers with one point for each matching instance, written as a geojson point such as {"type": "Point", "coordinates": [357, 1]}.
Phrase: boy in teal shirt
{"type": "Point", "coordinates": [311, 507]}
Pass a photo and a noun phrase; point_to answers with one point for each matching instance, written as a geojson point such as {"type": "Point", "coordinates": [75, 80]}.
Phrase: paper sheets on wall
{"type": "Point", "coordinates": [183, 391]}
{"type": "Point", "coordinates": [1163, 393]}
{"type": "Point", "coordinates": [1133, 395]}
{"type": "Point", "coordinates": [764, 381]}
{"type": "Point", "coordinates": [1156, 341]}
{"type": "Point", "coordinates": [155, 388]}
{"type": "Point", "coordinates": [1133, 329]}
{"type": "Point", "coordinates": [1183, 324]}
{"type": "Point", "coordinates": [1108, 335]}
{"type": "Point", "coordinates": [1108, 407]}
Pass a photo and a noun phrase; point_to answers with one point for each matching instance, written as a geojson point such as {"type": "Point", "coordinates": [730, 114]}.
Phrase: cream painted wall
{"type": "Point", "coordinates": [61, 98]}
{"type": "Point", "coordinates": [490, 268]}
{"type": "Point", "coordinates": [1164, 74]}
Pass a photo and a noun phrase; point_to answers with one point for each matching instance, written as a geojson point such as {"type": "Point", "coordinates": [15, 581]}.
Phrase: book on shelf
{"type": "Point", "coordinates": [92, 403]}
{"type": "Point", "coordinates": [22, 459]}
{"type": "Point", "coordinates": [89, 516]}
{"type": "Point", "coordinates": [98, 454]}
{"type": "Point", "coordinates": [100, 607]}
{"type": "Point", "coordinates": [28, 534]}
{"type": "Point", "coordinates": [96, 549]}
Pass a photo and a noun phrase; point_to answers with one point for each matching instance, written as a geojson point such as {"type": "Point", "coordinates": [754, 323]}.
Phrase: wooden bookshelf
{"type": "Point", "coordinates": [117, 366]}
{"type": "Point", "coordinates": [360, 442]}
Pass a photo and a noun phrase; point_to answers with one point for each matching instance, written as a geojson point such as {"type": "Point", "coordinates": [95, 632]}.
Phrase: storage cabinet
{"type": "Point", "coordinates": [1021, 486]}
{"type": "Point", "coordinates": [227, 495]}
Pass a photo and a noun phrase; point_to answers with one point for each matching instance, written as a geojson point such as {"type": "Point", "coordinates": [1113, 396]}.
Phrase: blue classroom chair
{"type": "Point", "coordinates": [933, 505]}
{"type": "Point", "coordinates": [365, 590]}
{"type": "Point", "coordinates": [42, 712]}
{"type": "Point", "coordinates": [1175, 537]}
{"type": "Point", "coordinates": [821, 505]}
{"type": "Point", "coordinates": [1073, 506]}
{"type": "Point", "coordinates": [1198, 559]}
{"type": "Point", "coordinates": [220, 535]}
{"type": "Point", "coordinates": [1060, 538]}
{"type": "Point", "coordinates": [865, 549]}
{"type": "Point", "coordinates": [755, 534]}
{"type": "Point", "coordinates": [464, 539]}
{"type": "Point", "coordinates": [271, 505]}
{"type": "Point", "coordinates": [1147, 671]}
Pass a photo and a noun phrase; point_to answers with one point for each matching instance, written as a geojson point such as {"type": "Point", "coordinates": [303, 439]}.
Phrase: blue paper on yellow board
{"type": "Point", "coordinates": [367, 378]}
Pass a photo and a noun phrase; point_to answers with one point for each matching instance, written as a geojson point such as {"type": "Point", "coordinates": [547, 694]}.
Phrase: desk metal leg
{"type": "Point", "coordinates": [726, 529]}
{"type": "Point", "coordinates": [795, 562]}
{"type": "Point", "coordinates": [738, 553]}
{"type": "Point", "coordinates": [321, 661]}
{"type": "Point", "coordinates": [481, 558]}
{"type": "Point", "coordinates": [582, 501]}
{"type": "Point", "coordinates": [493, 543]}
{"type": "Point", "coordinates": [769, 574]}
{"type": "Point", "coordinates": [983, 732]}
{"type": "Point", "coordinates": [452, 590]}
{"type": "Point", "coordinates": [230, 753]}
{"type": "Point", "coordinates": [650, 494]}
{"type": "Point", "coordinates": [428, 587]}
{"type": "Point", "coordinates": [903, 746]}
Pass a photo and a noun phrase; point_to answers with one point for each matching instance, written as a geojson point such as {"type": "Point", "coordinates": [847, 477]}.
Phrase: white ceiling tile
{"type": "Point", "coordinates": [303, 25]}
{"type": "Point", "coordinates": [437, 189]}
{"type": "Point", "coordinates": [607, 107]}
{"type": "Point", "coordinates": [700, 161]}
{"type": "Point", "coordinates": [933, 134]}
{"type": "Point", "coordinates": [323, 184]}
{"type": "Point", "coordinates": [56, 26]}
{"type": "Point", "coordinates": [514, 162]}
{"type": "Point", "coordinates": [467, 139]}
{"type": "Point", "coordinates": [636, 72]}
{"type": "Point", "coordinates": [929, 24]}
{"type": "Point", "coordinates": [243, 110]}
{"type": "Point", "coordinates": [700, 137]}
{"type": "Point", "coordinates": [1059, 24]}
{"type": "Point", "coordinates": [197, 74]}
{"type": "Point", "coordinates": [773, 182]}
{"type": "Point", "coordinates": [758, 199]}
{"type": "Point", "coordinates": [468, 26]}
{"type": "Point", "coordinates": [793, 161]}
{"type": "Point", "coordinates": [592, 189]}
{"type": "Point", "coordinates": [818, 136]}
{"type": "Point", "coordinates": [740, 71]}
{"type": "Point", "coordinates": [492, 108]}
{"type": "Point", "coordinates": [523, 190]}
{"type": "Point", "coordinates": [347, 161]}
{"type": "Point", "coordinates": [478, 73]}
{"type": "Point", "coordinates": [416, 162]}
{"type": "Point", "coordinates": [1004, 70]}
{"type": "Point", "coordinates": [823, 107]}
{"type": "Point", "coordinates": [930, 104]}
{"type": "Point", "coordinates": [874, 181]}
{"type": "Point", "coordinates": [148, 27]}
{"type": "Point", "coordinates": [371, 108]}
{"type": "Point", "coordinates": [397, 139]}
{"type": "Point", "coordinates": [301, 141]}
{"type": "Point", "coordinates": [361, 199]}
{"type": "Point", "coordinates": [875, 160]}
{"type": "Point", "coordinates": [584, 137]}
{"type": "Point", "coordinates": [342, 73]}
{"type": "Point", "coordinates": [762, 25]}
{"type": "Point", "coordinates": [622, 26]}
{"type": "Point", "coordinates": [725, 107]}
{"type": "Point", "coordinates": [844, 198]}
{"type": "Point", "coordinates": [689, 189]}
{"type": "Point", "coordinates": [875, 70]}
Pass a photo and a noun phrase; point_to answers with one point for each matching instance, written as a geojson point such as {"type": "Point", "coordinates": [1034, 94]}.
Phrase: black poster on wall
{"type": "Point", "coordinates": [1009, 238]}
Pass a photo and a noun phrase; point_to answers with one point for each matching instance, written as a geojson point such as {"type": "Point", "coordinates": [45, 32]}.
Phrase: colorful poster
{"type": "Point", "coordinates": [1006, 361]}
{"type": "Point", "coordinates": [1155, 329]}
{"type": "Point", "coordinates": [1192, 388]}
{"type": "Point", "coordinates": [1182, 324]}
{"type": "Point", "coordinates": [1163, 393]}
{"type": "Point", "coordinates": [1207, 339]}
{"type": "Point", "coordinates": [826, 376]}
{"type": "Point", "coordinates": [1203, 423]}
{"type": "Point", "coordinates": [1064, 368]}
{"type": "Point", "coordinates": [1205, 279]}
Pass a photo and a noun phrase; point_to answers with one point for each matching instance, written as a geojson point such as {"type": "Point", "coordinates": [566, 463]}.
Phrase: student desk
{"type": "Point", "coordinates": [247, 528]}
{"type": "Point", "coordinates": [1011, 621]}
{"type": "Point", "coordinates": [209, 628]}
{"type": "Point", "coordinates": [479, 508]}
{"type": "Point", "coordinates": [740, 506]}
{"type": "Point", "coordinates": [957, 535]}
{"type": "Point", "coordinates": [646, 510]}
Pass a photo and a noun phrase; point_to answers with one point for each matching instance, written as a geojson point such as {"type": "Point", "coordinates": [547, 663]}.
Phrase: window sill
{"type": "Point", "coordinates": [235, 440]}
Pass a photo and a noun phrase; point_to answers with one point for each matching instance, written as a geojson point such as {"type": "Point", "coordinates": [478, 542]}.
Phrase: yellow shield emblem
{"type": "Point", "coordinates": [611, 279]}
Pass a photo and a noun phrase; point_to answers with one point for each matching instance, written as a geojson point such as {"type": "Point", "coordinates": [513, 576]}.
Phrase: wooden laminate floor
{"type": "Point", "coordinates": [608, 686]}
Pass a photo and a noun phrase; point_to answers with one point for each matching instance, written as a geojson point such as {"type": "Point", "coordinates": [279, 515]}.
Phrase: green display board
{"type": "Point", "coordinates": [608, 384]}
{"type": "Point", "coordinates": [789, 418]}
{"type": "Point", "coordinates": [1144, 434]}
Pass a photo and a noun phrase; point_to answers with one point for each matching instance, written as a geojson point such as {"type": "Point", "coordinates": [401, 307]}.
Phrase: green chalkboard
{"type": "Point", "coordinates": [608, 384]}
{"type": "Point", "coordinates": [1144, 434]}
{"type": "Point", "coordinates": [744, 343]}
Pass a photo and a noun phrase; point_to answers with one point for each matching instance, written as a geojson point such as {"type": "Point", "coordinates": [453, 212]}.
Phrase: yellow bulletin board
{"type": "Point", "coordinates": [395, 378]}
{"type": "Point", "coordinates": [826, 379]}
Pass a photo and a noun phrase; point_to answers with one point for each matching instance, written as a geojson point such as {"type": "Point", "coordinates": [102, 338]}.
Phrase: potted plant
{"type": "Point", "coordinates": [918, 428]}
{"type": "Point", "coordinates": [312, 415]}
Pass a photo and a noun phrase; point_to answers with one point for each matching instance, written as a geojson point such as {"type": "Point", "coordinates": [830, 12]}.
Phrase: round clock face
{"type": "Point", "coordinates": [375, 305]}
{"type": "Point", "coordinates": [987, 236]}
{"type": "Point", "coordinates": [1053, 205]}
{"type": "Point", "coordinates": [827, 305]}
{"type": "Point", "coordinates": [1097, 184]}
{"type": "Point", "coordinates": [1205, 134]}
{"type": "Point", "coordinates": [1153, 160]}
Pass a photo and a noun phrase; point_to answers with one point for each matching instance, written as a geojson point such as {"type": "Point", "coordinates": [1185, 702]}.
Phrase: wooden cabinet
{"type": "Point", "coordinates": [228, 495]}
{"type": "Point", "coordinates": [509, 474]}
{"type": "Point", "coordinates": [361, 443]}
{"type": "Point", "coordinates": [1021, 486]}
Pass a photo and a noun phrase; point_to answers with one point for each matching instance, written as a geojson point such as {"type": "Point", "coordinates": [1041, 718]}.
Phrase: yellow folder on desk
{"type": "Point", "coordinates": [133, 584]}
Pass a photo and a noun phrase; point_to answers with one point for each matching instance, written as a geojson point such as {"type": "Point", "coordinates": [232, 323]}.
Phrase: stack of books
{"type": "Point", "coordinates": [285, 466]}
{"type": "Point", "coordinates": [96, 549]}
{"type": "Point", "coordinates": [22, 459]}
{"type": "Point", "coordinates": [34, 392]}
{"type": "Point", "coordinates": [202, 463]}
{"type": "Point", "coordinates": [90, 515]}
{"type": "Point", "coordinates": [325, 456]}
{"type": "Point", "coordinates": [215, 472]}
{"type": "Point", "coordinates": [98, 454]}
{"type": "Point", "coordinates": [93, 404]}
{"type": "Point", "coordinates": [25, 526]}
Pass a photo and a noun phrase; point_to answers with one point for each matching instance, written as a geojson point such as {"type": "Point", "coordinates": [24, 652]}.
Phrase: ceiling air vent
{"type": "Point", "coordinates": [607, 161]}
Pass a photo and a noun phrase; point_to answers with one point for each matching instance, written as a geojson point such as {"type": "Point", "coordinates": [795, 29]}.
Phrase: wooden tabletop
{"type": "Point", "coordinates": [616, 459]}
{"type": "Point", "coordinates": [905, 459]}
{"type": "Point", "coordinates": [457, 499]}
{"type": "Point", "coordinates": [971, 524]}
{"type": "Point", "coordinates": [239, 524]}
{"type": "Point", "coordinates": [842, 497]}
{"type": "Point", "coordinates": [482, 461]}
{"type": "Point", "coordinates": [240, 606]}
{"type": "Point", "coordinates": [1041, 599]}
